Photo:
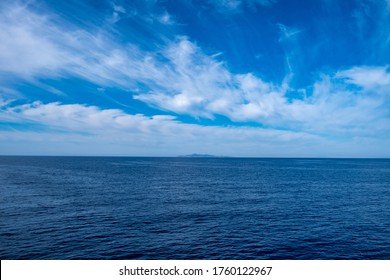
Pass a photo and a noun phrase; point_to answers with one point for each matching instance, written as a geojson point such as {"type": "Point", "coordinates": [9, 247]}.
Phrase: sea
{"type": "Point", "coordinates": [194, 208]}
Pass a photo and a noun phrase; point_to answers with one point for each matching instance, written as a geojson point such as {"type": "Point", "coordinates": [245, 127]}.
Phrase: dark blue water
{"type": "Point", "coordinates": [194, 208]}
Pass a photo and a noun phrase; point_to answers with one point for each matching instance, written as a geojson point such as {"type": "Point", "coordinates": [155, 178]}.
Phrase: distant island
{"type": "Point", "coordinates": [198, 156]}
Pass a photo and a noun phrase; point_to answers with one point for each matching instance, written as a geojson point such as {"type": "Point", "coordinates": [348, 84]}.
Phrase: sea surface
{"type": "Point", "coordinates": [194, 208]}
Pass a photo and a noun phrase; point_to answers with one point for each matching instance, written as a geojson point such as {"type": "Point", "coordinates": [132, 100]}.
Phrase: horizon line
{"type": "Point", "coordinates": [196, 157]}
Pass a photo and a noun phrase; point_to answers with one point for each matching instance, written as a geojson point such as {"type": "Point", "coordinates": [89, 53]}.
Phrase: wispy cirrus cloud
{"type": "Point", "coordinates": [203, 87]}
{"type": "Point", "coordinates": [178, 76]}
{"type": "Point", "coordinates": [26, 47]}
{"type": "Point", "coordinates": [38, 46]}
{"type": "Point", "coordinates": [236, 6]}
{"type": "Point", "coordinates": [181, 78]}
{"type": "Point", "coordinates": [117, 13]}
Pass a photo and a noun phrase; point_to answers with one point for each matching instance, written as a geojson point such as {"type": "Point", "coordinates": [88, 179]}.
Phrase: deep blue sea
{"type": "Point", "coordinates": [194, 208]}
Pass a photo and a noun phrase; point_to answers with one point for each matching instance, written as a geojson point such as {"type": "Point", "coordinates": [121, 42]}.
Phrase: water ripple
{"type": "Point", "coordinates": [183, 208]}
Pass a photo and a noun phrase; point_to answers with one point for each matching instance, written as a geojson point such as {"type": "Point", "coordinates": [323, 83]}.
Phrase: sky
{"type": "Point", "coordinates": [248, 78]}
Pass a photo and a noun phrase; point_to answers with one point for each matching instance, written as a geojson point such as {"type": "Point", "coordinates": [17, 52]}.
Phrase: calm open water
{"type": "Point", "coordinates": [194, 208]}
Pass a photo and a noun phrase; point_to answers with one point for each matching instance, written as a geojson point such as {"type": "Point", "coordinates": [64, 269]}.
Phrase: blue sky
{"type": "Point", "coordinates": [272, 78]}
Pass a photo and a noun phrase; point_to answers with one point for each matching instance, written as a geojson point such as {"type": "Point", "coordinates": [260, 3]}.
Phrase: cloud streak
{"type": "Point", "coordinates": [177, 76]}
{"type": "Point", "coordinates": [81, 129]}
{"type": "Point", "coordinates": [181, 78]}
{"type": "Point", "coordinates": [115, 126]}
{"type": "Point", "coordinates": [237, 6]}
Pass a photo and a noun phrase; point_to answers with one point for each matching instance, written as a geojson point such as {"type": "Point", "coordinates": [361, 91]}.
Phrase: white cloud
{"type": "Point", "coordinates": [180, 77]}
{"type": "Point", "coordinates": [118, 8]}
{"type": "Point", "coordinates": [80, 129]}
{"type": "Point", "coordinates": [4, 103]}
{"type": "Point", "coordinates": [229, 6]}
{"type": "Point", "coordinates": [36, 46]}
{"type": "Point", "coordinates": [117, 13]}
{"type": "Point", "coordinates": [79, 126]}
{"type": "Point", "coordinates": [166, 18]}
{"type": "Point", "coordinates": [367, 77]}
{"type": "Point", "coordinates": [81, 118]}
{"type": "Point", "coordinates": [287, 32]}
{"type": "Point", "coordinates": [200, 85]}
{"type": "Point", "coordinates": [7, 93]}
{"type": "Point", "coordinates": [25, 48]}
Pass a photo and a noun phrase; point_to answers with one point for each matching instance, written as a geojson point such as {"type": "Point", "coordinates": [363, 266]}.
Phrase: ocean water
{"type": "Point", "coordinates": [194, 208]}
